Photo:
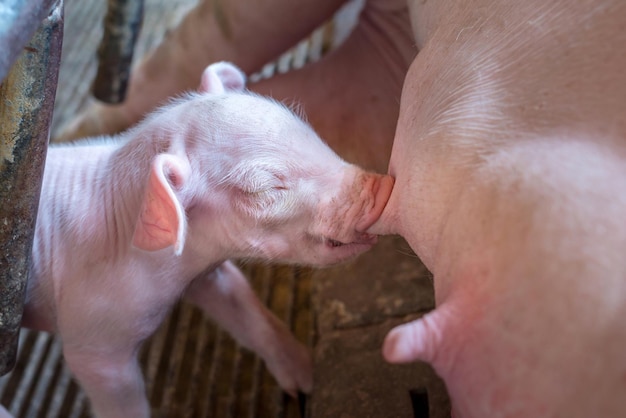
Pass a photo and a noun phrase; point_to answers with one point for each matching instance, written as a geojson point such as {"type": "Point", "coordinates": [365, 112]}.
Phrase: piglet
{"type": "Point", "coordinates": [128, 225]}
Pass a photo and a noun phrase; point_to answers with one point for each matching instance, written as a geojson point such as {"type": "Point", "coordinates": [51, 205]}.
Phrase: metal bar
{"type": "Point", "coordinates": [26, 103]}
{"type": "Point", "coordinates": [115, 54]}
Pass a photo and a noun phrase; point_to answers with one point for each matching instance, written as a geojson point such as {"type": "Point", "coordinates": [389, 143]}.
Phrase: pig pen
{"type": "Point", "coordinates": [194, 369]}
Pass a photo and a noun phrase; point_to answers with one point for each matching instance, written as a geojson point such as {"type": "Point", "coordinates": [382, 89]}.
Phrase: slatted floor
{"type": "Point", "coordinates": [192, 368]}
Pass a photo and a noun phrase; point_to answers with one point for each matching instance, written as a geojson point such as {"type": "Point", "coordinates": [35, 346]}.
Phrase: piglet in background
{"type": "Point", "coordinates": [128, 225]}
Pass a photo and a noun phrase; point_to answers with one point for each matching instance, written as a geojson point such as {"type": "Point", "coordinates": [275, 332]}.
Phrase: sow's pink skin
{"type": "Point", "coordinates": [127, 225]}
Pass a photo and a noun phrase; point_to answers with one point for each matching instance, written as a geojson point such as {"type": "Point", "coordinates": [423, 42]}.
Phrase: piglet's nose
{"type": "Point", "coordinates": [378, 188]}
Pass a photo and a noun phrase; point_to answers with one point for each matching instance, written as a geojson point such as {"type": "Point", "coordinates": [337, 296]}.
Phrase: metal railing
{"type": "Point", "coordinates": [28, 76]}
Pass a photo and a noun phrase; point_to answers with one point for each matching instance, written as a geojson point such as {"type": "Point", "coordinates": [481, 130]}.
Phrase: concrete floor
{"type": "Point", "coordinates": [192, 368]}
{"type": "Point", "coordinates": [355, 305]}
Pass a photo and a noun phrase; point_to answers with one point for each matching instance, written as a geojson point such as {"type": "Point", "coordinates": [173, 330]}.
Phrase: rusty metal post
{"type": "Point", "coordinates": [115, 53]}
{"type": "Point", "coordinates": [26, 102]}
{"type": "Point", "coordinates": [19, 19]}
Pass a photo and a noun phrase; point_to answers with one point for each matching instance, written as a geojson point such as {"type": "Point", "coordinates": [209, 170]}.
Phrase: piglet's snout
{"type": "Point", "coordinates": [375, 192]}
{"type": "Point", "coordinates": [362, 206]}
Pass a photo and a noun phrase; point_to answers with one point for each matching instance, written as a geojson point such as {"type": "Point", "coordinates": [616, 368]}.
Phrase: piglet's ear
{"type": "Point", "coordinates": [162, 221]}
{"type": "Point", "coordinates": [222, 76]}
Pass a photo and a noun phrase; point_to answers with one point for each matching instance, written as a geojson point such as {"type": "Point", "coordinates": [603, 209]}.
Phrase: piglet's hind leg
{"type": "Point", "coordinates": [226, 296]}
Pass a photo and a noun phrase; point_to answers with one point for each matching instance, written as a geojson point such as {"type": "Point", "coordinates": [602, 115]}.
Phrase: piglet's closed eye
{"type": "Point", "coordinates": [162, 221]}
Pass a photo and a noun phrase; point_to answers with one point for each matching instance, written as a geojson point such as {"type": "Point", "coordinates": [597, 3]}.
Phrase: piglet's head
{"type": "Point", "coordinates": [307, 212]}
{"type": "Point", "coordinates": [259, 183]}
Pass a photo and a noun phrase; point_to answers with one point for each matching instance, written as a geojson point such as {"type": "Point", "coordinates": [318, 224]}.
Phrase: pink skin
{"type": "Point", "coordinates": [129, 224]}
{"type": "Point", "coordinates": [508, 152]}
{"type": "Point", "coordinates": [510, 166]}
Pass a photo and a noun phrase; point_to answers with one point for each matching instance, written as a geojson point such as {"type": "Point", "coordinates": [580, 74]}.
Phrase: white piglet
{"type": "Point", "coordinates": [130, 224]}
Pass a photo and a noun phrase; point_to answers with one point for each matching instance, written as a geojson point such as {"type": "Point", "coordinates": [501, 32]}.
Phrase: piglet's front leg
{"type": "Point", "coordinates": [112, 380]}
{"type": "Point", "coordinates": [226, 296]}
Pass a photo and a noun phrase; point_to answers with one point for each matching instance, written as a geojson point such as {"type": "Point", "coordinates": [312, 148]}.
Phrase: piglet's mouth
{"type": "Point", "coordinates": [364, 239]}
{"type": "Point", "coordinates": [334, 243]}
